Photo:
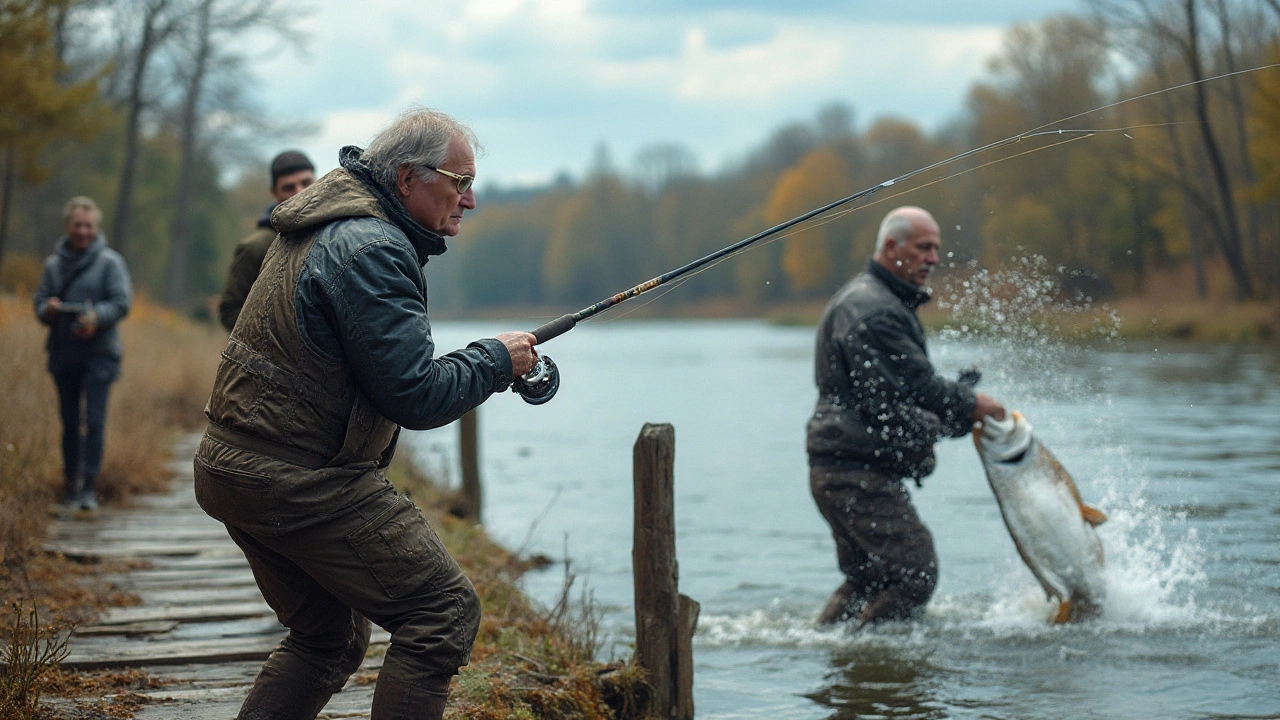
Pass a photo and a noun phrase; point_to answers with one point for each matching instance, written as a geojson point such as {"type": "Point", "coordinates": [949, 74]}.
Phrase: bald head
{"type": "Point", "coordinates": [907, 244]}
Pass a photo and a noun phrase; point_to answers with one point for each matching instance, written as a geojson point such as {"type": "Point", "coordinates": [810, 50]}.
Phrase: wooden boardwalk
{"type": "Point", "coordinates": [202, 624]}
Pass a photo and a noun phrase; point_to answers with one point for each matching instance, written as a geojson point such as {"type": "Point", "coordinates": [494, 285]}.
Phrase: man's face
{"type": "Point", "coordinates": [915, 258]}
{"type": "Point", "coordinates": [289, 185]}
{"type": "Point", "coordinates": [438, 206]}
{"type": "Point", "coordinates": [82, 228]}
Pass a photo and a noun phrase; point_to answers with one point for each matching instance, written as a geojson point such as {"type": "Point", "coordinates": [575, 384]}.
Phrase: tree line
{"type": "Point", "coordinates": [143, 104]}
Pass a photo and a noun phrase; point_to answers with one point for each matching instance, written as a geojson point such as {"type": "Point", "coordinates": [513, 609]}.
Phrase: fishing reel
{"type": "Point", "coordinates": [539, 384]}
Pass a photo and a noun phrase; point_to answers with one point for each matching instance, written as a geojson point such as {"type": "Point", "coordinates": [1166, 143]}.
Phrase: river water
{"type": "Point", "coordinates": [1179, 446]}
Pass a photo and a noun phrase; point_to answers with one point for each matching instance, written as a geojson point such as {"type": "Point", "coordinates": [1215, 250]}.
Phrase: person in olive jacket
{"type": "Point", "coordinates": [332, 354]}
{"type": "Point", "coordinates": [881, 407]}
{"type": "Point", "coordinates": [84, 292]}
{"type": "Point", "coordinates": [291, 173]}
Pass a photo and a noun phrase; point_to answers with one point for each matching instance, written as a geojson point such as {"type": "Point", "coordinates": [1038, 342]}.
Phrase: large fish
{"type": "Point", "coordinates": [1051, 527]}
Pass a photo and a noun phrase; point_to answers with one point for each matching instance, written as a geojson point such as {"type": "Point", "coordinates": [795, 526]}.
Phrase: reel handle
{"type": "Point", "coordinates": [539, 384]}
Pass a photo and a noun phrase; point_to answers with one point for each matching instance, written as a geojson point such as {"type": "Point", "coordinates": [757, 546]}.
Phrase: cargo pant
{"type": "Point", "coordinates": [884, 550]}
{"type": "Point", "coordinates": [375, 560]}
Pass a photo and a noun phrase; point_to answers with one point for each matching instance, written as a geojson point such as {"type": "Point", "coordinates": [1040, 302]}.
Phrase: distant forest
{"type": "Point", "coordinates": [149, 119]}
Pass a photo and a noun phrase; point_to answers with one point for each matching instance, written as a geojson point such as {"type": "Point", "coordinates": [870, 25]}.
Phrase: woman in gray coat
{"type": "Point", "coordinates": [84, 292]}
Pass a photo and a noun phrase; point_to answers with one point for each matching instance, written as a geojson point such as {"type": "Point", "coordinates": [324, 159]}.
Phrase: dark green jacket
{"type": "Point", "coordinates": [245, 264]}
{"type": "Point", "coordinates": [881, 405]}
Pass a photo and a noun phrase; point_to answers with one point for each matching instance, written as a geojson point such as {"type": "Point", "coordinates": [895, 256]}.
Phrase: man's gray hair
{"type": "Point", "coordinates": [420, 138]}
{"type": "Point", "coordinates": [898, 224]}
{"type": "Point", "coordinates": [81, 202]}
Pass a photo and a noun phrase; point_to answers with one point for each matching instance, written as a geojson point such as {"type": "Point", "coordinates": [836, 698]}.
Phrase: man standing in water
{"type": "Point", "coordinates": [332, 354]}
{"type": "Point", "coordinates": [881, 407]}
{"type": "Point", "coordinates": [291, 173]}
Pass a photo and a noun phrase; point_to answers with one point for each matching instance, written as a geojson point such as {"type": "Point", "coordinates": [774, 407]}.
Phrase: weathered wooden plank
{"type": "Point", "coordinates": [199, 562]}
{"type": "Point", "coordinates": [199, 596]}
{"type": "Point", "coordinates": [154, 534]}
{"type": "Point", "coordinates": [203, 613]}
{"type": "Point", "coordinates": [179, 579]}
{"type": "Point", "coordinates": [236, 627]}
{"type": "Point", "coordinates": [118, 551]}
{"type": "Point", "coordinates": [176, 653]}
{"type": "Point", "coordinates": [197, 694]}
{"type": "Point", "coordinates": [150, 627]}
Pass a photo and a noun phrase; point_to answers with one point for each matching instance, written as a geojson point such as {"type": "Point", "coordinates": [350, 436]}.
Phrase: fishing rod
{"type": "Point", "coordinates": [540, 384]}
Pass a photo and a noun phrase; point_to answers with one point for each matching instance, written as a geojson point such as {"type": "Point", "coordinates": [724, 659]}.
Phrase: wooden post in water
{"type": "Point", "coordinates": [665, 619]}
{"type": "Point", "coordinates": [469, 449]}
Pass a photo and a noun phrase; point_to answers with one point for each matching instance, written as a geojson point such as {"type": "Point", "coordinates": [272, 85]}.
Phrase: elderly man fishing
{"type": "Point", "coordinates": [332, 354]}
{"type": "Point", "coordinates": [881, 407]}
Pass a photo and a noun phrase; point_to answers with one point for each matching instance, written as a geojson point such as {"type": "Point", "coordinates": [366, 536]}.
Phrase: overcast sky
{"type": "Point", "coordinates": [544, 82]}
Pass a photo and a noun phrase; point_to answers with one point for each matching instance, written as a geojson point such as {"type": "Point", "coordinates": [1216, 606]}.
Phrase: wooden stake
{"type": "Point", "coordinates": [665, 620]}
{"type": "Point", "coordinates": [469, 449]}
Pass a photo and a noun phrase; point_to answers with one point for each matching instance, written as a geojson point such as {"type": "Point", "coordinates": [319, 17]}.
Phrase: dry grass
{"type": "Point", "coordinates": [528, 661]}
{"type": "Point", "coordinates": [1168, 307]}
{"type": "Point", "coordinates": [31, 652]}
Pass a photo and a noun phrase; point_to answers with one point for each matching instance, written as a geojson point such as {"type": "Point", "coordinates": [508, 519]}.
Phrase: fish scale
{"type": "Point", "coordinates": [1051, 526]}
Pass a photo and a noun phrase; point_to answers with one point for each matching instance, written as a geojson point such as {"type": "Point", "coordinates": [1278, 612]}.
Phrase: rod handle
{"type": "Point", "coordinates": [555, 328]}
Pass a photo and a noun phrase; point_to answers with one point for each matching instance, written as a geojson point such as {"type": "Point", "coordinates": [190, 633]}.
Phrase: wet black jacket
{"type": "Point", "coordinates": [881, 406]}
{"type": "Point", "coordinates": [362, 301]}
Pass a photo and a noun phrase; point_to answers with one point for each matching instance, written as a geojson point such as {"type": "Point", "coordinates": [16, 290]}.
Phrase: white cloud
{"type": "Point", "coordinates": [544, 81]}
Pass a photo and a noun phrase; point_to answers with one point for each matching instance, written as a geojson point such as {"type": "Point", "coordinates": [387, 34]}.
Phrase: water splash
{"type": "Point", "coordinates": [1020, 314]}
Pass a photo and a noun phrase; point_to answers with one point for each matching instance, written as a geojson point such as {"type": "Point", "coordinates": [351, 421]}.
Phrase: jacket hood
{"type": "Point", "coordinates": [264, 220]}
{"type": "Point", "coordinates": [71, 258]}
{"type": "Point", "coordinates": [912, 296]}
{"type": "Point", "coordinates": [351, 192]}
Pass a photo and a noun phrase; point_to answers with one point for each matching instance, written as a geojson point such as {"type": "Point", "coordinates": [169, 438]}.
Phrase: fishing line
{"type": "Point", "coordinates": [541, 383]}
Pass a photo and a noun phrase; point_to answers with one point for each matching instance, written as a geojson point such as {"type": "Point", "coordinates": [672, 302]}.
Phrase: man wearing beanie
{"type": "Point", "coordinates": [291, 172]}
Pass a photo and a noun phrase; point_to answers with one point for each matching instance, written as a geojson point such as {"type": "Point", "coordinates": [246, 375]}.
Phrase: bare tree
{"type": "Point", "coordinates": [1149, 29]}
{"type": "Point", "coordinates": [1229, 241]}
{"type": "Point", "coordinates": [156, 23]}
{"type": "Point", "coordinates": [215, 22]}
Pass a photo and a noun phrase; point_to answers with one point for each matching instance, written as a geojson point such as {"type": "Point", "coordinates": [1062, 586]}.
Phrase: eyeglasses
{"type": "Point", "coordinates": [462, 182]}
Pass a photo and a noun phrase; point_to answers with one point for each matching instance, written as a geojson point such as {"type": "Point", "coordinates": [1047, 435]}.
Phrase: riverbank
{"type": "Point", "coordinates": [528, 660]}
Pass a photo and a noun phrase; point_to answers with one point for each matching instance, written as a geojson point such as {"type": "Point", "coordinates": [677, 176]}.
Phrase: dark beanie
{"type": "Point", "coordinates": [290, 161]}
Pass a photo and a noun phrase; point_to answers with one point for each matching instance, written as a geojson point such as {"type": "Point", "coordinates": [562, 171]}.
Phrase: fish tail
{"type": "Point", "coordinates": [1064, 614]}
